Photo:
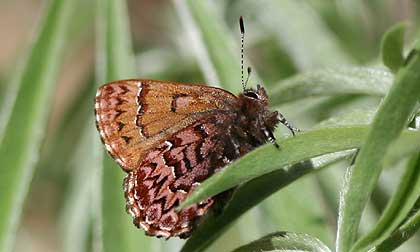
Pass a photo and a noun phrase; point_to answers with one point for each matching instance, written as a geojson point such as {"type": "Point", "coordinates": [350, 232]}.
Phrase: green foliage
{"type": "Point", "coordinates": [24, 116]}
{"type": "Point", "coordinates": [319, 40]}
{"type": "Point", "coordinates": [391, 118]}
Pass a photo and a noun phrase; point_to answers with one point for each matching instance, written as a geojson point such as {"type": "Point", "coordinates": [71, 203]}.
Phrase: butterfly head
{"type": "Point", "coordinates": [255, 107]}
{"type": "Point", "coordinates": [256, 95]}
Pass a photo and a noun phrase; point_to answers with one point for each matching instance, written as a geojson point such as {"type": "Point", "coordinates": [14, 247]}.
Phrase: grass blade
{"type": "Point", "coordinates": [285, 241]}
{"type": "Point", "coordinates": [25, 126]}
{"type": "Point", "coordinates": [116, 61]}
{"type": "Point", "coordinates": [386, 127]}
{"type": "Point", "coordinates": [333, 82]}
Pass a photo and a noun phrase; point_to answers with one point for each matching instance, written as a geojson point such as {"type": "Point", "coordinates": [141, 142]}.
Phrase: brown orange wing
{"type": "Point", "coordinates": [135, 116]}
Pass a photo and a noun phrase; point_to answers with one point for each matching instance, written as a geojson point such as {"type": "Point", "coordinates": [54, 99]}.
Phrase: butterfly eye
{"type": "Point", "coordinates": [252, 94]}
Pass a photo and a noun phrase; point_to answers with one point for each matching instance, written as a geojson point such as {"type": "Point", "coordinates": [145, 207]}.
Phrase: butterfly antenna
{"type": "Point", "coordinates": [241, 26]}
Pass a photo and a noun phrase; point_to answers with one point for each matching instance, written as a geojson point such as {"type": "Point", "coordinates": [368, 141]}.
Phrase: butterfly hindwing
{"type": "Point", "coordinates": [170, 172]}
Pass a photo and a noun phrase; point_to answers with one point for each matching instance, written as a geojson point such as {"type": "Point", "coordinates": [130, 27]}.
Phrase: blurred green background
{"type": "Point", "coordinates": [186, 42]}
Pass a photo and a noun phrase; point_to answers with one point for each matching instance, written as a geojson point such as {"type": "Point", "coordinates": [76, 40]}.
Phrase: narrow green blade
{"type": "Point", "coordinates": [25, 115]}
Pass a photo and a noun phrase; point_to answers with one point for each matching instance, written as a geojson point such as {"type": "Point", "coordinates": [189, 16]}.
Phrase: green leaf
{"type": "Point", "coordinates": [402, 234]}
{"type": "Point", "coordinates": [387, 125]}
{"type": "Point", "coordinates": [117, 62]}
{"type": "Point", "coordinates": [24, 116]}
{"type": "Point", "coordinates": [403, 200]}
{"type": "Point", "coordinates": [285, 241]}
{"type": "Point", "coordinates": [392, 47]}
{"type": "Point", "coordinates": [333, 82]}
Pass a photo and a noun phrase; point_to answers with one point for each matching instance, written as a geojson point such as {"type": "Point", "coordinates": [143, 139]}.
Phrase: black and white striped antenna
{"type": "Point", "coordinates": [242, 28]}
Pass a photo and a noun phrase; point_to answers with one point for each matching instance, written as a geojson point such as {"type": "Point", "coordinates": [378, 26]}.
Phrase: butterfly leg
{"type": "Point", "coordinates": [270, 137]}
{"type": "Point", "coordinates": [286, 123]}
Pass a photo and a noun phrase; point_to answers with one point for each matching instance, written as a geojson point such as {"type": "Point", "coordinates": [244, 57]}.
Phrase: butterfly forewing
{"type": "Point", "coordinates": [134, 116]}
{"type": "Point", "coordinates": [163, 105]}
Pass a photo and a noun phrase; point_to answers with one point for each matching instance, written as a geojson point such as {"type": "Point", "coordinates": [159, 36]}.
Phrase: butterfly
{"type": "Point", "coordinates": [169, 137]}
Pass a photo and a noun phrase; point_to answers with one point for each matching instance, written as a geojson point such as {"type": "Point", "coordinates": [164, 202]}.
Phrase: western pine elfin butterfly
{"type": "Point", "coordinates": [169, 137]}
